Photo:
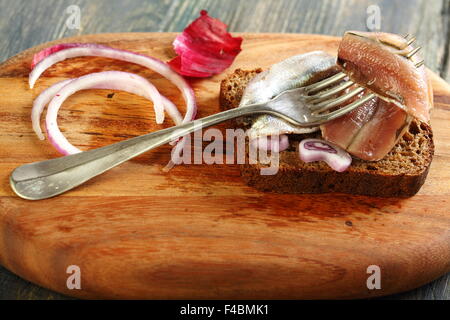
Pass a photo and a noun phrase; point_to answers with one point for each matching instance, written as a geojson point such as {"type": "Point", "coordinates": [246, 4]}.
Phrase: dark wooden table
{"type": "Point", "coordinates": [24, 24]}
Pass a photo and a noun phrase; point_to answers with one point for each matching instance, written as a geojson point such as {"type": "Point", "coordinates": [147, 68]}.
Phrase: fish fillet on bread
{"type": "Point", "coordinates": [389, 137]}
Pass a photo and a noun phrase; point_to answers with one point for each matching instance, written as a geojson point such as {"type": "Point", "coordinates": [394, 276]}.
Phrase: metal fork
{"type": "Point", "coordinates": [306, 107]}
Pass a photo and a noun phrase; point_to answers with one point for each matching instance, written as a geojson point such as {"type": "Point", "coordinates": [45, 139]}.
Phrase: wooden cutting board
{"type": "Point", "coordinates": [198, 231]}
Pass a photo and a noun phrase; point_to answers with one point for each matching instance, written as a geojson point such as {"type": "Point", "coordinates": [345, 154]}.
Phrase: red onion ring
{"type": "Point", "coordinates": [176, 154]}
{"type": "Point", "coordinates": [160, 102]}
{"type": "Point", "coordinates": [39, 105]}
{"type": "Point", "coordinates": [320, 150]}
{"type": "Point", "coordinates": [48, 51]}
{"type": "Point", "coordinates": [172, 111]}
{"type": "Point", "coordinates": [48, 57]}
{"type": "Point", "coordinates": [115, 80]}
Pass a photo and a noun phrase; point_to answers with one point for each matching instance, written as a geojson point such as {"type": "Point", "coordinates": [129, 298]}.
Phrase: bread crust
{"type": "Point", "coordinates": [400, 174]}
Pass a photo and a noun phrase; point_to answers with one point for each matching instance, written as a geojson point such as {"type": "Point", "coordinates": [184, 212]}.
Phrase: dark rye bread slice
{"type": "Point", "coordinates": [401, 173]}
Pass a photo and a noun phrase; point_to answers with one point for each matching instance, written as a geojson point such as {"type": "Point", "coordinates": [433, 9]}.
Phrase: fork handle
{"type": "Point", "coordinates": [45, 179]}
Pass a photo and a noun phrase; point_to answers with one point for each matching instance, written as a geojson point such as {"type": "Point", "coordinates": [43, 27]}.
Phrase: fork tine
{"type": "Point", "coordinates": [324, 83]}
{"type": "Point", "coordinates": [419, 64]}
{"type": "Point", "coordinates": [329, 93]}
{"type": "Point", "coordinates": [411, 41]}
{"type": "Point", "coordinates": [342, 111]}
{"type": "Point", "coordinates": [406, 36]}
{"type": "Point", "coordinates": [410, 54]}
{"type": "Point", "coordinates": [331, 103]}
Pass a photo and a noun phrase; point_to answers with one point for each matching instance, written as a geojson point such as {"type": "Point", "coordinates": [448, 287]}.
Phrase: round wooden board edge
{"type": "Point", "coordinates": [106, 36]}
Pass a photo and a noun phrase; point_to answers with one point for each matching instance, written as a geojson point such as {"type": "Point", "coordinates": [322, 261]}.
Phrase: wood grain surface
{"type": "Point", "coordinates": [24, 24]}
{"type": "Point", "coordinates": [198, 231]}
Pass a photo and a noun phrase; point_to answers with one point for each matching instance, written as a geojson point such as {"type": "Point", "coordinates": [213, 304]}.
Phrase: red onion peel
{"type": "Point", "coordinates": [204, 48]}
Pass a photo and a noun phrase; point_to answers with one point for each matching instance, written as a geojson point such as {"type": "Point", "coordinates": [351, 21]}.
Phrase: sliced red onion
{"type": "Point", "coordinates": [39, 105]}
{"type": "Point", "coordinates": [176, 154]}
{"type": "Point", "coordinates": [114, 80]}
{"type": "Point", "coordinates": [148, 91]}
{"type": "Point", "coordinates": [48, 57]}
{"type": "Point", "coordinates": [174, 114]}
{"type": "Point", "coordinates": [320, 150]}
{"type": "Point", "coordinates": [271, 143]}
{"type": "Point", "coordinates": [48, 51]}
{"type": "Point", "coordinates": [172, 111]}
